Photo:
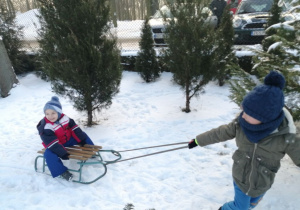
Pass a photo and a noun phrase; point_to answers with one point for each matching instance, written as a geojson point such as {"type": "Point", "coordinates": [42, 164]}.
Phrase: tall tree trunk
{"type": "Point", "coordinates": [154, 6]}
{"type": "Point", "coordinates": [7, 76]}
{"type": "Point", "coordinates": [118, 9]}
{"type": "Point", "coordinates": [90, 118]}
{"type": "Point", "coordinates": [89, 110]}
{"type": "Point", "coordinates": [148, 8]}
{"type": "Point", "coordinates": [35, 4]}
{"type": "Point", "coordinates": [114, 12]}
{"type": "Point", "coordinates": [28, 5]}
{"type": "Point", "coordinates": [134, 6]}
{"type": "Point", "coordinates": [127, 10]}
{"type": "Point", "coordinates": [187, 98]}
{"type": "Point", "coordinates": [142, 11]}
{"type": "Point", "coordinates": [11, 9]}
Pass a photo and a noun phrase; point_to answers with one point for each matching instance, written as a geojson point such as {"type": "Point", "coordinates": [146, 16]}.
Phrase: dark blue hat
{"type": "Point", "coordinates": [54, 104]}
{"type": "Point", "coordinates": [265, 102]}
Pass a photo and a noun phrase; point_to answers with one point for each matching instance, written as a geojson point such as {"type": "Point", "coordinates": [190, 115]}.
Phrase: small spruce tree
{"type": "Point", "coordinates": [224, 56]}
{"type": "Point", "coordinates": [240, 84]}
{"type": "Point", "coordinates": [146, 60]}
{"type": "Point", "coordinates": [275, 14]}
{"type": "Point", "coordinates": [78, 53]}
{"type": "Point", "coordinates": [275, 17]}
{"type": "Point", "coordinates": [129, 206]}
{"type": "Point", "coordinates": [189, 55]}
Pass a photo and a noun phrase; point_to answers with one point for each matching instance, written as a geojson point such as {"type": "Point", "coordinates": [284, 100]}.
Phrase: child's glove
{"type": "Point", "coordinates": [82, 143]}
{"type": "Point", "coordinates": [192, 144]}
{"type": "Point", "coordinates": [65, 156]}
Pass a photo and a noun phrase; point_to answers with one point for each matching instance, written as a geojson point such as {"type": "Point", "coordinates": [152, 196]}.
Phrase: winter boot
{"type": "Point", "coordinates": [67, 175]}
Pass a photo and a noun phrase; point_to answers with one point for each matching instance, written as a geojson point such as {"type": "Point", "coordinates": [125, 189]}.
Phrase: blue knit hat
{"type": "Point", "coordinates": [265, 102]}
{"type": "Point", "coordinates": [55, 105]}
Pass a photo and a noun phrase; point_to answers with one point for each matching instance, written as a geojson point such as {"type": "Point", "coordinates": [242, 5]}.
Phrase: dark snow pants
{"type": "Point", "coordinates": [54, 163]}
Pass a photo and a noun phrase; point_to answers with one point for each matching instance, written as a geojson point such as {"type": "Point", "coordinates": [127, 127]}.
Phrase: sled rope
{"type": "Point", "coordinates": [155, 153]}
{"type": "Point", "coordinates": [164, 145]}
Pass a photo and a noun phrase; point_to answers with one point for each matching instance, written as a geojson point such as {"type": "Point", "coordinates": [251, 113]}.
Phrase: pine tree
{"type": "Point", "coordinates": [275, 14]}
{"type": "Point", "coordinates": [190, 44]}
{"type": "Point", "coordinates": [240, 84]}
{"type": "Point", "coordinates": [129, 206]}
{"type": "Point", "coordinates": [78, 53]}
{"type": "Point", "coordinates": [275, 17]}
{"type": "Point", "coordinates": [146, 60]}
{"type": "Point", "coordinates": [224, 56]}
{"type": "Point", "coordinates": [282, 55]}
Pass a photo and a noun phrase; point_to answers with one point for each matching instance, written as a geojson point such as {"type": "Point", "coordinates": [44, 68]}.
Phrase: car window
{"type": "Point", "coordinates": [261, 7]}
{"type": "Point", "coordinates": [255, 6]}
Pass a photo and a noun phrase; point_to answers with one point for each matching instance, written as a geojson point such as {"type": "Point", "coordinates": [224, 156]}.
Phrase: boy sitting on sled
{"type": "Point", "coordinates": [58, 131]}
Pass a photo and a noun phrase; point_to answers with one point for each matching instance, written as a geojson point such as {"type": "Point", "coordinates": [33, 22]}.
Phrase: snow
{"type": "Point", "coordinates": [296, 68]}
{"type": "Point", "coordinates": [284, 25]}
{"type": "Point", "coordinates": [30, 23]}
{"type": "Point", "coordinates": [141, 115]}
{"type": "Point", "coordinates": [274, 46]}
{"type": "Point", "coordinates": [129, 29]}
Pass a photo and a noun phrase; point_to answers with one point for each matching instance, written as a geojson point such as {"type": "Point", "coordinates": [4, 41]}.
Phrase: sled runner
{"type": "Point", "coordinates": [87, 155]}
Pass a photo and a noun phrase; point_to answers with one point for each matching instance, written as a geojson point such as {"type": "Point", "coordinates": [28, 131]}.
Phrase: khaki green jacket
{"type": "Point", "coordinates": [256, 164]}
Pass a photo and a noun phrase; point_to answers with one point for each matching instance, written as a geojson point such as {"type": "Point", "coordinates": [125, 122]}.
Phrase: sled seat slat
{"type": "Point", "coordinates": [80, 153]}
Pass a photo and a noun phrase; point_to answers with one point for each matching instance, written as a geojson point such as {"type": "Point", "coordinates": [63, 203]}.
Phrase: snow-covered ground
{"type": "Point", "coordinates": [141, 115]}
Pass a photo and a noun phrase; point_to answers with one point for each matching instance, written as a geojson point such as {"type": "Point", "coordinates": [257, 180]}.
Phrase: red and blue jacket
{"type": "Point", "coordinates": [55, 135]}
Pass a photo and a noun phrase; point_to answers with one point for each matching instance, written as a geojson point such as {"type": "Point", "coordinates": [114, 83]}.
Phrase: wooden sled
{"type": "Point", "coordinates": [86, 155]}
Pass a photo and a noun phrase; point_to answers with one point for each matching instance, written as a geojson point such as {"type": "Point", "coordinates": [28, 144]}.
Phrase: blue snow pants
{"type": "Point", "coordinates": [54, 163]}
{"type": "Point", "coordinates": [242, 201]}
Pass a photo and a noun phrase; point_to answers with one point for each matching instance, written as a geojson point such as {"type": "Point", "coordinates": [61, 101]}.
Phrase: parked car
{"type": "Point", "coordinates": [158, 24]}
{"type": "Point", "coordinates": [251, 18]}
